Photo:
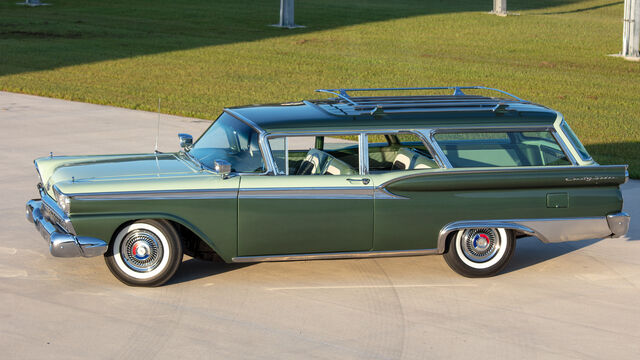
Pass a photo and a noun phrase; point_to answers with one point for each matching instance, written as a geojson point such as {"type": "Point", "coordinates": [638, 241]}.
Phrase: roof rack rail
{"type": "Point", "coordinates": [457, 91]}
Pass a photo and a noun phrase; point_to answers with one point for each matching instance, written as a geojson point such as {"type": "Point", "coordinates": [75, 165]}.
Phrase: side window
{"type": "Point", "coordinates": [315, 155]}
{"type": "Point", "coordinates": [398, 152]}
{"type": "Point", "coordinates": [496, 149]}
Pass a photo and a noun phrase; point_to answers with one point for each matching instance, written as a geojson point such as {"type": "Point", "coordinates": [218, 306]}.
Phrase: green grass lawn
{"type": "Point", "coordinates": [201, 55]}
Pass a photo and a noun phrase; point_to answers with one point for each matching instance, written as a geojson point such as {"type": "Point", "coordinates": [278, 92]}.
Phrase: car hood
{"type": "Point", "coordinates": [54, 170]}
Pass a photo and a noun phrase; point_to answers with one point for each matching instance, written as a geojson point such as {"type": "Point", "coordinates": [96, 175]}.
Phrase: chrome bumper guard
{"type": "Point", "coordinates": [618, 223]}
{"type": "Point", "coordinates": [61, 242]}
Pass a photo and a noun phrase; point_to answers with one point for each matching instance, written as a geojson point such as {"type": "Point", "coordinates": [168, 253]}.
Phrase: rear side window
{"type": "Point", "coordinates": [500, 149]}
{"type": "Point", "coordinates": [398, 152]}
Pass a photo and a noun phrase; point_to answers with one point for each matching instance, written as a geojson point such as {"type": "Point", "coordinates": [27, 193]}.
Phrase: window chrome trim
{"type": "Point", "coordinates": [265, 150]}
{"type": "Point", "coordinates": [527, 128]}
{"type": "Point", "coordinates": [269, 136]}
{"type": "Point", "coordinates": [363, 144]}
{"type": "Point", "coordinates": [561, 128]}
{"type": "Point", "coordinates": [564, 147]}
{"type": "Point", "coordinates": [336, 255]}
{"type": "Point", "coordinates": [363, 153]}
{"type": "Point", "coordinates": [429, 135]}
{"type": "Point", "coordinates": [286, 156]}
{"type": "Point", "coordinates": [417, 132]}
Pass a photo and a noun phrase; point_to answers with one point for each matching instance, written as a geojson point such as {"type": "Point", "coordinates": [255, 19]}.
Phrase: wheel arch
{"type": "Point", "coordinates": [445, 235]}
{"type": "Point", "coordinates": [174, 221]}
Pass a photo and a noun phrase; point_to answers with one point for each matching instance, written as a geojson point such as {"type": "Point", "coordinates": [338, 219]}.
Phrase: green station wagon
{"type": "Point", "coordinates": [344, 177]}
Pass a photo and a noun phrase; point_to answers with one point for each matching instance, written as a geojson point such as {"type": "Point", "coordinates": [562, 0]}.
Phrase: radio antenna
{"type": "Point", "coordinates": [158, 127]}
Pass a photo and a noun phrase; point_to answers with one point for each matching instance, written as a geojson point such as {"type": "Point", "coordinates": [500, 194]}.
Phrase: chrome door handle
{"type": "Point", "coordinates": [364, 180]}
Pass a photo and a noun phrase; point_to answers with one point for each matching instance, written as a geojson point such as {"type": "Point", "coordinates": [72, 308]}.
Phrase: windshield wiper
{"type": "Point", "coordinates": [193, 158]}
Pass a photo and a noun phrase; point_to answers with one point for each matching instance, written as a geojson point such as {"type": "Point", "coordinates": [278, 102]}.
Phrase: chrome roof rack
{"type": "Point", "coordinates": [457, 90]}
{"type": "Point", "coordinates": [458, 101]}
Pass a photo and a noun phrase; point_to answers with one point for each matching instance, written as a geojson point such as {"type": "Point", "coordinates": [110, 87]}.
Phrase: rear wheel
{"type": "Point", "coordinates": [145, 253]}
{"type": "Point", "coordinates": [480, 252]}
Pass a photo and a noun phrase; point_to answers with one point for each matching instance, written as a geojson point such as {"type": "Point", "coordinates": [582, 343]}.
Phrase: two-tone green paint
{"type": "Point", "coordinates": [297, 220]}
{"type": "Point", "coordinates": [264, 214]}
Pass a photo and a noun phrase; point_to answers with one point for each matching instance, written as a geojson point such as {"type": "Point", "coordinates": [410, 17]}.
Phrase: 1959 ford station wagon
{"type": "Point", "coordinates": [345, 177]}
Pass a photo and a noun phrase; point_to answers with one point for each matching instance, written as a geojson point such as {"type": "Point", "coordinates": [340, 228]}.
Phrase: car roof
{"type": "Point", "coordinates": [347, 113]}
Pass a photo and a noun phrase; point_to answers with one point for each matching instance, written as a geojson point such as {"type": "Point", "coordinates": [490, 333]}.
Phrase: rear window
{"type": "Point", "coordinates": [501, 149]}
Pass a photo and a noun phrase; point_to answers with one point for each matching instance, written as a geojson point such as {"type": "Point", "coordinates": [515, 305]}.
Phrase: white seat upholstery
{"type": "Point", "coordinates": [407, 159]}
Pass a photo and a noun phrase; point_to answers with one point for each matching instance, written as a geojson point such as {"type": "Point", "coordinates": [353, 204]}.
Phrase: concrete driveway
{"type": "Point", "coordinates": [569, 300]}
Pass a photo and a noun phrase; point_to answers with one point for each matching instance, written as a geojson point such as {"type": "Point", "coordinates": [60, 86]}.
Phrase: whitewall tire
{"type": "Point", "coordinates": [145, 253]}
{"type": "Point", "coordinates": [480, 252]}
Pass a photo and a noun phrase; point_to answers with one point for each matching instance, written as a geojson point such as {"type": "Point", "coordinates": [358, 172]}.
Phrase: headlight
{"type": "Point", "coordinates": [63, 201]}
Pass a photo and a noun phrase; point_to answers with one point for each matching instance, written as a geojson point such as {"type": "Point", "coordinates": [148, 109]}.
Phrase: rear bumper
{"type": "Point", "coordinates": [61, 242]}
{"type": "Point", "coordinates": [618, 223]}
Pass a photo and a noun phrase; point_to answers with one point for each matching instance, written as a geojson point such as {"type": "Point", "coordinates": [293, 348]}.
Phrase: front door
{"type": "Point", "coordinates": [319, 204]}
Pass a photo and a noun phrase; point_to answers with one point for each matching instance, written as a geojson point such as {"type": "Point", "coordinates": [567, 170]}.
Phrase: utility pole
{"type": "Point", "coordinates": [631, 30]}
{"type": "Point", "coordinates": [500, 7]}
{"type": "Point", "coordinates": [286, 15]}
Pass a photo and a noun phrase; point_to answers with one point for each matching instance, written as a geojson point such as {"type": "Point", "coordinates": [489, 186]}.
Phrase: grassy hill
{"type": "Point", "coordinates": [202, 55]}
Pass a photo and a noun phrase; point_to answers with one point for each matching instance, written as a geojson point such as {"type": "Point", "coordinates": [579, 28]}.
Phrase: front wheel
{"type": "Point", "coordinates": [480, 252]}
{"type": "Point", "coordinates": [145, 253]}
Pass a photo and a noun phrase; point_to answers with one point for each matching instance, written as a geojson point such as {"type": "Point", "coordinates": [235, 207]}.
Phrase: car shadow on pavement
{"type": "Point", "coordinates": [530, 251]}
{"type": "Point", "coordinates": [194, 269]}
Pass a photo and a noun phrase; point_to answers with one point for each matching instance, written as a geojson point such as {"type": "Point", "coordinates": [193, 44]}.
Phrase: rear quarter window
{"type": "Point", "coordinates": [501, 149]}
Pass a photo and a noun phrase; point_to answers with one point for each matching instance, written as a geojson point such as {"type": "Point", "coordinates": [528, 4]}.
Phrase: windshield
{"type": "Point", "coordinates": [232, 140]}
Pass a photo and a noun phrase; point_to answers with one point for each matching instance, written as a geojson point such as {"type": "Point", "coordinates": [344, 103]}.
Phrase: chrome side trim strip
{"type": "Point", "coordinates": [547, 230]}
{"type": "Point", "coordinates": [159, 195]}
{"type": "Point", "coordinates": [384, 194]}
{"type": "Point", "coordinates": [338, 255]}
{"type": "Point", "coordinates": [336, 193]}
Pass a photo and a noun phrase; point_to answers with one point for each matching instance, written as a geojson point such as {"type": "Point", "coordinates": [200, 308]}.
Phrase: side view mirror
{"type": "Point", "coordinates": [186, 141]}
{"type": "Point", "coordinates": [222, 167]}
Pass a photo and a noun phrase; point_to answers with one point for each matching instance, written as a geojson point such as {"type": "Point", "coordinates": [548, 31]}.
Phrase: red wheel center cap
{"type": "Point", "coordinates": [481, 241]}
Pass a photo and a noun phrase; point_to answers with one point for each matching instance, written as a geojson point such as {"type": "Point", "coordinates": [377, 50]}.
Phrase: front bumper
{"type": "Point", "coordinates": [61, 242]}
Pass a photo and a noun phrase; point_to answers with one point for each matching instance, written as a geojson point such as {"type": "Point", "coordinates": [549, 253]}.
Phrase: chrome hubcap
{"type": "Point", "coordinates": [480, 245]}
{"type": "Point", "coordinates": [141, 250]}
